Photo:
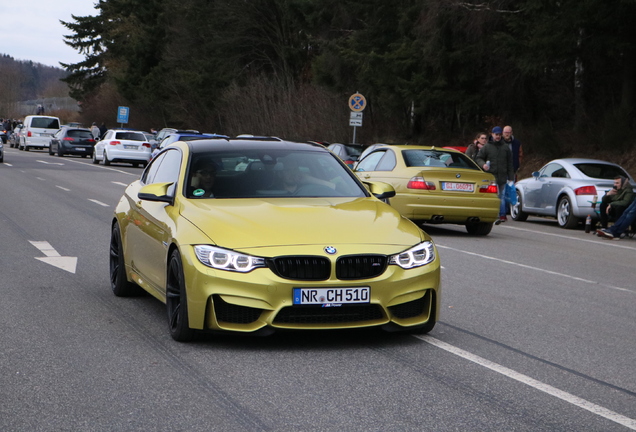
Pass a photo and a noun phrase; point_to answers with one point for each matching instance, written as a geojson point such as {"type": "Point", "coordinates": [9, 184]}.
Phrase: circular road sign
{"type": "Point", "coordinates": [357, 102]}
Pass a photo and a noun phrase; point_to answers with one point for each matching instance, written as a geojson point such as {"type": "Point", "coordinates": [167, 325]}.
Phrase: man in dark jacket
{"type": "Point", "coordinates": [614, 203]}
{"type": "Point", "coordinates": [496, 158]}
{"type": "Point", "coordinates": [621, 225]}
{"type": "Point", "coordinates": [515, 147]}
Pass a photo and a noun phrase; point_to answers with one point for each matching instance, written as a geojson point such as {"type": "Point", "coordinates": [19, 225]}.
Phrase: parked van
{"type": "Point", "coordinates": [37, 131]}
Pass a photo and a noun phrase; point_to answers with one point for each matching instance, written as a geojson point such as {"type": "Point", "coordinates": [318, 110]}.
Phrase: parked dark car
{"type": "Point", "coordinates": [72, 141]}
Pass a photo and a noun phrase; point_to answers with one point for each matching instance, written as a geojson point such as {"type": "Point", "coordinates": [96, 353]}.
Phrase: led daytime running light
{"type": "Point", "coordinates": [225, 259]}
{"type": "Point", "coordinates": [417, 256]}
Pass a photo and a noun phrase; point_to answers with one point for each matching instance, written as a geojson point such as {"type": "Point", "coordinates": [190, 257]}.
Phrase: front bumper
{"type": "Point", "coordinates": [230, 301]}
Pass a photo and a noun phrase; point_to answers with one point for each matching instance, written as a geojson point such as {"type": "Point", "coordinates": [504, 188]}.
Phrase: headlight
{"type": "Point", "coordinates": [417, 256]}
{"type": "Point", "coordinates": [225, 259]}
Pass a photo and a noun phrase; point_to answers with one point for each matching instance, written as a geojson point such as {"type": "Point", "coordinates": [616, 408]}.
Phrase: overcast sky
{"type": "Point", "coordinates": [31, 29]}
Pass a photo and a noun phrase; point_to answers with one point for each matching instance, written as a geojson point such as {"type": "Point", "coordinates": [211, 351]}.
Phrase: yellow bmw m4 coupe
{"type": "Point", "coordinates": [257, 234]}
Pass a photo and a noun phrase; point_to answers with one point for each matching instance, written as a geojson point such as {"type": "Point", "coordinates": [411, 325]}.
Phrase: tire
{"type": "Point", "coordinates": [564, 214]}
{"type": "Point", "coordinates": [95, 160]}
{"type": "Point", "coordinates": [84, 156]}
{"type": "Point", "coordinates": [515, 211]}
{"type": "Point", "coordinates": [135, 165]}
{"type": "Point", "coordinates": [50, 151]}
{"type": "Point", "coordinates": [118, 281]}
{"type": "Point", "coordinates": [60, 153]}
{"type": "Point", "coordinates": [26, 148]}
{"type": "Point", "coordinates": [479, 228]}
{"type": "Point", "coordinates": [176, 301]}
{"type": "Point", "coordinates": [106, 160]}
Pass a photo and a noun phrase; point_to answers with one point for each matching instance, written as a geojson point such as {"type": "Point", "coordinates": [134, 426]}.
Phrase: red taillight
{"type": "Point", "coordinates": [115, 142]}
{"type": "Point", "coordinates": [585, 190]}
{"type": "Point", "coordinates": [29, 134]}
{"type": "Point", "coordinates": [90, 140]}
{"type": "Point", "coordinates": [420, 183]}
{"type": "Point", "coordinates": [491, 188]}
{"type": "Point", "coordinates": [68, 139]}
{"type": "Point", "coordinates": [146, 145]}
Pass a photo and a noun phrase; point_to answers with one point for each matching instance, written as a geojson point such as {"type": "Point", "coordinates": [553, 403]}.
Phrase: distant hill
{"type": "Point", "coordinates": [25, 80]}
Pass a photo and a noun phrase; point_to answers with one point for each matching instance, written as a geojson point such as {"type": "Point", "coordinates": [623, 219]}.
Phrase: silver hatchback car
{"type": "Point", "coordinates": [567, 189]}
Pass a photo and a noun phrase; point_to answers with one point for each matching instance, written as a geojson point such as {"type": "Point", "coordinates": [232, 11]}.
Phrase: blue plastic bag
{"type": "Point", "coordinates": [511, 194]}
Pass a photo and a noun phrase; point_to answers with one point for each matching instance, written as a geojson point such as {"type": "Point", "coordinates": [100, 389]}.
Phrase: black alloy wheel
{"type": "Point", "coordinates": [176, 301]}
{"type": "Point", "coordinates": [118, 281]}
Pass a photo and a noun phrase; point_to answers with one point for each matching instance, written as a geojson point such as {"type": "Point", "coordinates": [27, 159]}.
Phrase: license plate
{"type": "Point", "coordinates": [46, 135]}
{"type": "Point", "coordinates": [331, 296]}
{"type": "Point", "coordinates": [461, 187]}
{"type": "Point", "coordinates": [130, 147]}
{"type": "Point", "coordinates": [80, 148]}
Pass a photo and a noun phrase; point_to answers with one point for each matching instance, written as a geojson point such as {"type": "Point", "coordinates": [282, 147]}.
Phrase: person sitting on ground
{"type": "Point", "coordinates": [616, 200]}
{"type": "Point", "coordinates": [621, 225]}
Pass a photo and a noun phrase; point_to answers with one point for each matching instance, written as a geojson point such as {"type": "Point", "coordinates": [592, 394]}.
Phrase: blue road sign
{"type": "Point", "coordinates": [122, 114]}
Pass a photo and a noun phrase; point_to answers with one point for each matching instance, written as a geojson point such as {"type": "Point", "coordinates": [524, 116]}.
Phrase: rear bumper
{"type": "Point", "coordinates": [128, 155]}
{"type": "Point", "coordinates": [458, 210]}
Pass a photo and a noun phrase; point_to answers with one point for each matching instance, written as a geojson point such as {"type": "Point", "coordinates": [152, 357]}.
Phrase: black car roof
{"type": "Point", "coordinates": [216, 144]}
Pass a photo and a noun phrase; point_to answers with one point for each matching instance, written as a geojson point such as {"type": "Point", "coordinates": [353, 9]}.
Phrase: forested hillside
{"type": "Point", "coordinates": [24, 80]}
{"type": "Point", "coordinates": [433, 71]}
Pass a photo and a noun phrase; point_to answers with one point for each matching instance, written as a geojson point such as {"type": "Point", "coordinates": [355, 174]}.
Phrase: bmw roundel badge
{"type": "Point", "coordinates": [458, 175]}
{"type": "Point", "coordinates": [330, 250]}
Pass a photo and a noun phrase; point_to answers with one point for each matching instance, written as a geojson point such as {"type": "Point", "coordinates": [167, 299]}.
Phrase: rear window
{"type": "Point", "coordinates": [45, 123]}
{"type": "Point", "coordinates": [601, 171]}
{"type": "Point", "coordinates": [437, 159]}
{"type": "Point", "coordinates": [131, 136]}
{"type": "Point", "coordinates": [80, 134]}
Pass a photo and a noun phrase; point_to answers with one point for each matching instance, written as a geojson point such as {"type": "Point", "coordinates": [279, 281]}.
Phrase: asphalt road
{"type": "Point", "coordinates": [537, 333]}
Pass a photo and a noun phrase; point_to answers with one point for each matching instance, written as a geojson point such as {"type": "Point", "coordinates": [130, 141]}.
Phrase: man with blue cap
{"type": "Point", "coordinates": [496, 158]}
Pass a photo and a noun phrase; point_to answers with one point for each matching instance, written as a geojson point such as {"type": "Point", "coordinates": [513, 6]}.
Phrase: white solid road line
{"type": "Point", "coordinates": [63, 188]}
{"type": "Point", "coordinates": [553, 391]}
{"type": "Point", "coordinates": [591, 282]}
{"type": "Point", "coordinates": [99, 203]}
{"type": "Point", "coordinates": [593, 239]}
{"type": "Point", "coordinates": [120, 184]}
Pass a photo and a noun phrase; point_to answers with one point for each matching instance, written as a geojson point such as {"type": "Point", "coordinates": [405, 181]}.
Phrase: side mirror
{"type": "Point", "coordinates": [157, 192]}
{"type": "Point", "coordinates": [535, 174]}
{"type": "Point", "coordinates": [380, 190]}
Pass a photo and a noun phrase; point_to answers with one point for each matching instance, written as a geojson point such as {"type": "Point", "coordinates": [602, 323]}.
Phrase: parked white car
{"type": "Point", "coordinates": [37, 132]}
{"type": "Point", "coordinates": [120, 145]}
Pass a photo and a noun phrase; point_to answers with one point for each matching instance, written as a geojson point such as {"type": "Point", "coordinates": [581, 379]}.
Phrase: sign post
{"type": "Point", "coordinates": [357, 104]}
{"type": "Point", "coordinates": [122, 115]}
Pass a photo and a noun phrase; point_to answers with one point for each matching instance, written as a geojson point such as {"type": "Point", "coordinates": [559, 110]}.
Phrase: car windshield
{"type": "Point", "coordinates": [260, 173]}
{"type": "Point", "coordinates": [437, 159]}
{"type": "Point", "coordinates": [131, 136]}
{"type": "Point", "coordinates": [601, 171]}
